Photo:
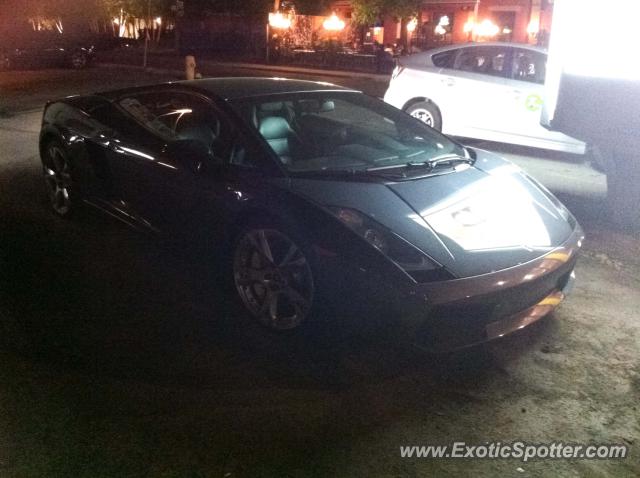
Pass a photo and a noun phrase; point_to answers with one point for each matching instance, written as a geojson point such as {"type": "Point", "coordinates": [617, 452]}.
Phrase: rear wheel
{"type": "Point", "coordinates": [427, 112]}
{"type": "Point", "coordinates": [273, 277]}
{"type": "Point", "coordinates": [56, 168]}
{"type": "Point", "coordinates": [79, 60]}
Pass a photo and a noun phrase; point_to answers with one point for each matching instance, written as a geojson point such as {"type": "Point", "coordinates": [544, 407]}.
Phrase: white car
{"type": "Point", "coordinates": [489, 91]}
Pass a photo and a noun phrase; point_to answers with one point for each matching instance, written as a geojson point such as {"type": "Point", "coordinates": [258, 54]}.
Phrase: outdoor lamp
{"type": "Point", "coordinates": [278, 20]}
{"type": "Point", "coordinates": [333, 23]}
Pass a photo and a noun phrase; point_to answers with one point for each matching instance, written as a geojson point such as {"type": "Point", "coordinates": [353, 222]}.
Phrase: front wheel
{"type": "Point", "coordinates": [273, 277]}
{"type": "Point", "coordinates": [427, 112]}
{"type": "Point", "coordinates": [56, 167]}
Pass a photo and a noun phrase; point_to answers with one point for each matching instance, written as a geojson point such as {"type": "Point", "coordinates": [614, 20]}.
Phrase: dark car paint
{"type": "Point", "coordinates": [230, 88]}
{"type": "Point", "coordinates": [162, 194]}
{"type": "Point", "coordinates": [209, 208]}
{"type": "Point", "coordinates": [400, 206]}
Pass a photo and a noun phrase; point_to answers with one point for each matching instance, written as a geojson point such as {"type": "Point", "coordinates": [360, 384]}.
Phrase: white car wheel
{"type": "Point", "coordinates": [426, 112]}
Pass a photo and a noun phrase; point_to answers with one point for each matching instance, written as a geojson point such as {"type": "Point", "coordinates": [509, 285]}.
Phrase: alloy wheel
{"type": "Point", "coordinates": [79, 60]}
{"type": "Point", "coordinates": [273, 278]}
{"type": "Point", "coordinates": [423, 115]}
{"type": "Point", "coordinates": [57, 175]}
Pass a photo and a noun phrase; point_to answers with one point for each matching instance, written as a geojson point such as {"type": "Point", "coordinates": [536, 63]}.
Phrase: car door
{"type": "Point", "coordinates": [160, 182]}
{"type": "Point", "coordinates": [527, 97]}
{"type": "Point", "coordinates": [476, 82]}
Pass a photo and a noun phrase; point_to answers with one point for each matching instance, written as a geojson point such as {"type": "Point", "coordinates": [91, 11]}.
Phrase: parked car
{"type": "Point", "coordinates": [489, 91]}
{"type": "Point", "coordinates": [45, 49]}
{"type": "Point", "coordinates": [311, 192]}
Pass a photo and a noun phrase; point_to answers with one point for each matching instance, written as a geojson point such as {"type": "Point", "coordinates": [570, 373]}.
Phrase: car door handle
{"type": "Point", "coordinates": [449, 81]}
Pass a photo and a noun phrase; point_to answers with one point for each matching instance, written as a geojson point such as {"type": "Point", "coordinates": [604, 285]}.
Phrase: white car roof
{"type": "Point", "coordinates": [424, 58]}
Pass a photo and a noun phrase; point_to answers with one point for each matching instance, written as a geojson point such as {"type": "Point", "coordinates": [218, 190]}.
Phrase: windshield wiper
{"type": "Point", "coordinates": [430, 164]}
{"type": "Point", "coordinates": [450, 159]}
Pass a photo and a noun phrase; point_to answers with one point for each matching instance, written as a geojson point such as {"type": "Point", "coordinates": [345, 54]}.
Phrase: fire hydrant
{"type": "Point", "coordinates": [190, 67]}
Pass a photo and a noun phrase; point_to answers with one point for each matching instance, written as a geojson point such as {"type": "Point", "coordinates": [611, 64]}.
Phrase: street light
{"type": "Point", "coordinates": [278, 21]}
{"type": "Point", "coordinates": [412, 24]}
{"type": "Point", "coordinates": [486, 28]}
{"type": "Point", "coordinates": [411, 27]}
{"type": "Point", "coordinates": [333, 23]}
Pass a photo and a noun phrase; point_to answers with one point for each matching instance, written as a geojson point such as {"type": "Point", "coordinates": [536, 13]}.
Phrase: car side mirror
{"type": "Point", "coordinates": [192, 153]}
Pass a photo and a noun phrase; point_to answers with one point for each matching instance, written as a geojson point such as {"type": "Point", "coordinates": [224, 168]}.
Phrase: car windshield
{"type": "Point", "coordinates": [341, 131]}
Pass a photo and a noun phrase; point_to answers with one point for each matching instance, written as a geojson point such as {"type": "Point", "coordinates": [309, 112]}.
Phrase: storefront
{"type": "Point", "coordinates": [443, 22]}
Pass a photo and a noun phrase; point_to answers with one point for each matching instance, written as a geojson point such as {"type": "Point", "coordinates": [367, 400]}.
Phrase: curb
{"type": "Point", "coordinates": [296, 69]}
{"type": "Point", "coordinates": [258, 67]}
{"type": "Point", "coordinates": [150, 69]}
{"type": "Point", "coordinates": [8, 114]}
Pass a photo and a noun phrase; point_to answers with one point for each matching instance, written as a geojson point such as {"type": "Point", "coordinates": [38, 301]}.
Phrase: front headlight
{"type": "Point", "coordinates": [409, 258]}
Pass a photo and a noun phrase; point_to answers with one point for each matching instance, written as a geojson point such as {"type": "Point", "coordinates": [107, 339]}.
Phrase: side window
{"type": "Point", "coordinates": [529, 66]}
{"type": "Point", "coordinates": [176, 115]}
{"type": "Point", "coordinates": [490, 61]}
{"type": "Point", "coordinates": [444, 59]}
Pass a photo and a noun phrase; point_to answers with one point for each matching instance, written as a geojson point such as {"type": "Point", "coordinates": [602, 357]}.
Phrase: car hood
{"type": "Point", "coordinates": [474, 220]}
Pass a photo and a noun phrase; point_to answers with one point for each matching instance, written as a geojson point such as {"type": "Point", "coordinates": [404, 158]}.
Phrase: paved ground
{"type": "Point", "coordinates": [122, 358]}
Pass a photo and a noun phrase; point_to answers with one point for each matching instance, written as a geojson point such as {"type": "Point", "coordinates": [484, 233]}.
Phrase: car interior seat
{"type": "Point", "coordinates": [280, 136]}
{"type": "Point", "coordinates": [274, 108]}
{"type": "Point", "coordinates": [191, 126]}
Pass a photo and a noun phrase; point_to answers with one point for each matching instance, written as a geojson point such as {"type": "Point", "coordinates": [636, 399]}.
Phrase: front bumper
{"type": "Point", "coordinates": [459, 313]}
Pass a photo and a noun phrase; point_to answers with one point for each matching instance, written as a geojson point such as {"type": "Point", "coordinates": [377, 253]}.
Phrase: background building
{"type": "Point", "coordinates": [441, 22]}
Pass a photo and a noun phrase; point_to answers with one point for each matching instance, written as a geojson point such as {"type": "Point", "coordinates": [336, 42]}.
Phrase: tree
{"type": "Point", "coordinates": [305, 7]}
{"type": "Point", "coordinates": [368, 12]}
{"type": "Point", "coordinates": [129, 12]}
{"type": "Point", "coordinates": [47, 14]}
{"type": "Point", "coordinates": [204, 7]}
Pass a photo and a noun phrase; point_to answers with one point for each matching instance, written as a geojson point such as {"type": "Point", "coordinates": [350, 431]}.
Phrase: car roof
{"type": "Point", "coordinates": [237, 87]}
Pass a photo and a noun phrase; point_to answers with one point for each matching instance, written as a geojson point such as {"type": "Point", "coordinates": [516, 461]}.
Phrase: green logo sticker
{"type": "Point", "coordinates": [533, 102]}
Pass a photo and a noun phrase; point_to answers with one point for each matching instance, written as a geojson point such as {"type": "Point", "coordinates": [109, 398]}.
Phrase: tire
{"type": "Point", "coordinates": [79, 60]}
{"type": "Point", "coordinates": [427, 112]}
{"type": "Point", "coordinates": [272, 272]}
{"type": "Point", "coordinates": [57, 171]}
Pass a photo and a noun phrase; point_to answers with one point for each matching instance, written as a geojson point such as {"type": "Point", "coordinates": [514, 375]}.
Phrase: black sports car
{"type": "Point", "coordinates": [310, 190]}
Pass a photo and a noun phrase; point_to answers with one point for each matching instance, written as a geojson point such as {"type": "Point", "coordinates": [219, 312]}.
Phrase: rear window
{"type": "Point", "coordinates": [529, 66]}
{"type": "Point", "coordinates": [486, 60]}
{"type": "Point", "coordinates": [444, 59]}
